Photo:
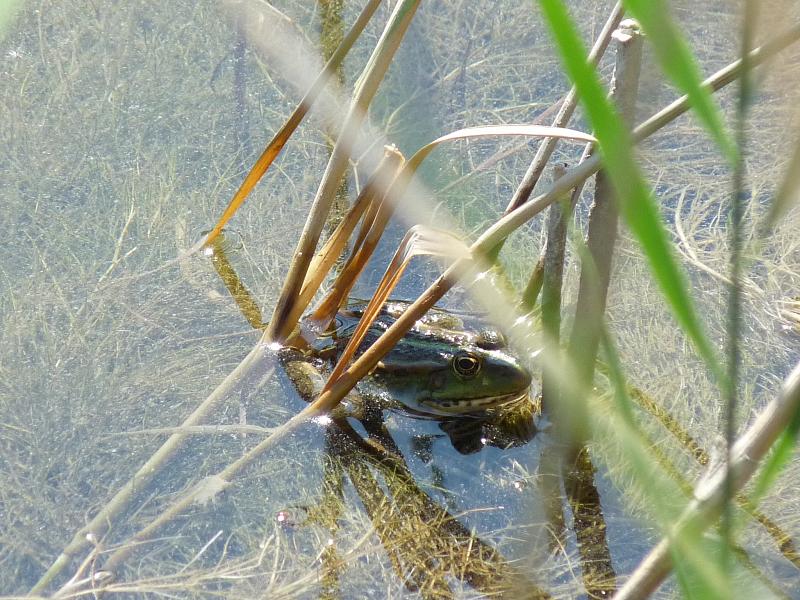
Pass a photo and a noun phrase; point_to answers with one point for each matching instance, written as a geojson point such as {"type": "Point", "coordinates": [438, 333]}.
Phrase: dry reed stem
{"type": "Point", "coordinates": [601, 240]}
{"type": "Point", "coordinates": [418, 240]}
{"type": "Point", "coordinates": [501, 155]}
{"type": "Point", "coordinates": [552, 282]}
{"type": "Point", "coordinates": [782, 539]}
{"type": "Point", "coordinates": [545, 150]}
{"type": "Point", "coordinates": [370, 198]}
{"type": "Point", "coordinates": [282, 321]}
{"type": "Point", "coordinates": [101, 522]}
{"type": "Point", "coordinates": [500, 230]}
{"type": "Point", "coordinates": [710, 495]}
{"type": "Point", "coordinates": [369, 235]}
{"type": "Point", "coordinates": [279, 140]}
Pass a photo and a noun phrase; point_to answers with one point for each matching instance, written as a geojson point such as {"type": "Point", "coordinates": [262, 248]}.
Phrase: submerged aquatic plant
{"type": "Point", "coordinates": [570, 375]}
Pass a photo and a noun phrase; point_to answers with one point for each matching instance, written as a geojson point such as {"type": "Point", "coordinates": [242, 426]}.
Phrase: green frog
{"type": "Point", "coordinates": [447, 364]}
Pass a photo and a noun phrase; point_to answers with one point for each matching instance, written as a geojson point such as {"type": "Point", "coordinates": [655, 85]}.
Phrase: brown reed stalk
{"type": "Point", "coordinates": [102, 520]}
{"type": "Point", "coordinates": [502, 228]}
{"type": "Point", "coordinates": [281, 324]}
{"type": "Point", "coordinates": [545, 150]}
{"type": "Point", "coordinates": [279, 140]}
{"type": "Point", "coordinates": [371, 199]}
{"type": "Point", "coordinates": [552, 281]}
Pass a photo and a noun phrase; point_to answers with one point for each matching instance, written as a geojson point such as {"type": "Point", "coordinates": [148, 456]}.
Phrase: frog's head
{"type": "Point", "coordinates": [452, 373]}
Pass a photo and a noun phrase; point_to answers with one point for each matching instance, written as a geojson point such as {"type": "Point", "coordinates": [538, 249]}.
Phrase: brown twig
{"type": "Point", "coordinates": [600, 241]}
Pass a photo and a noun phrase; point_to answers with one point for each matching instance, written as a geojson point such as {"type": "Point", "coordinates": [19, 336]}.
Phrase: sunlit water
{"type": "Point", "coordinates": [127, 127]}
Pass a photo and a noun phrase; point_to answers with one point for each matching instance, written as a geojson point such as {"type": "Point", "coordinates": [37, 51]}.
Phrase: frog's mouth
{"type": "Point", "coordinates": [457, 406]}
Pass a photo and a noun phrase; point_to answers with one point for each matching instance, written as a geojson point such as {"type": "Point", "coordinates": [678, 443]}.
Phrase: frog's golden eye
{"type": "Point", "coordinates": [466, 365]}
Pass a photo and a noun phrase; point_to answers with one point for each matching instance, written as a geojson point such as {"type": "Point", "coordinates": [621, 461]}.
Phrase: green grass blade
{"type": "Point", "coordinates": [633, 196]}
{"type": "Point", "coordinates": [678, 64]}
{"type": "Point", "coordinates": [622, 401]}
{"type": "Point", "coordinates": [699, 575]}
{"type": "Point", "coordinates": [782, 453]}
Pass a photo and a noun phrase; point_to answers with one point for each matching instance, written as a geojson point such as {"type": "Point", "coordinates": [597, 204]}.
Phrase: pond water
{"type": "Point", "coordinates": [126, 129]}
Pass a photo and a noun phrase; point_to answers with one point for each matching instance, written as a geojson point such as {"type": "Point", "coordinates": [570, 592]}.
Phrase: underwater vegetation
{"type": "Point", "coordinates": [399, 299]}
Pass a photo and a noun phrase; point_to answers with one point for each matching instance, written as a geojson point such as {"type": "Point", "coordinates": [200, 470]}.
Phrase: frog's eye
{"type": "Point", "coordinates": [466, 365]}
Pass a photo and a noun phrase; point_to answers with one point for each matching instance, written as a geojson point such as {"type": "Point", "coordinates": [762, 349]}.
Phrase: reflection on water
{"type": "Point", "coordinates": [426, 545]}
{"type": "Point", "coordinates": [126, 128]}
{"type": "Point", "coordinates": [420, 497]}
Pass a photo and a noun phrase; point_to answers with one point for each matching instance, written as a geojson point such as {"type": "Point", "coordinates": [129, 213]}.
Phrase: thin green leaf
{"type": "Point", "coordinates": [661, 490]}
{"type": "Point", "coordinates": [782, 453]}
{"type": "Point", "coordinates": [622, 400]}
{"type": "Point", "coordinates": [633, 196]}
{"type": "Point", "coordinates": [678, 64]}
{"type": "Point", "coordinates": [698, 574]}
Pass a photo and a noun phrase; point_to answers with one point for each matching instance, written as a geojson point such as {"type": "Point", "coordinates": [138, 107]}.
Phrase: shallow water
{"type": "Point", "coordinates": [127, 128]}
